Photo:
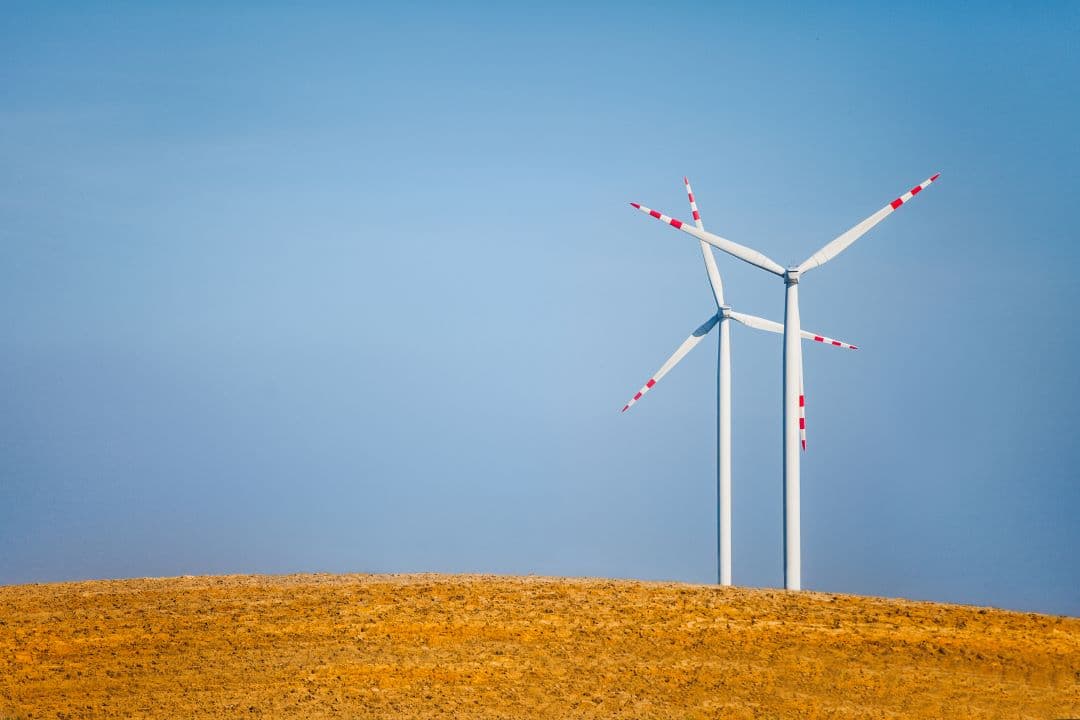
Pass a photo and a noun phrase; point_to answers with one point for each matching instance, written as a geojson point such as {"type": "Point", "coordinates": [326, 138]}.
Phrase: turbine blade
{"type": "Point", "coordinates": [775, 327]}
{"type": "Point", "coordinates": [693, 205]}
{"type": "Point", "coordinates": [715, 282]}
{"type": "Point", "coordinates": [689, 344]}
{"type": "Point", "coordinates": [841, 243]}
{"type": "Point", "coordinates": [828, 340]}
{"type": "Point", "coordinates": [731, 248]}
{"type": "Point", "coordinates": [757, 323]}
{"type": "Point", "coordinates": [802, 409]}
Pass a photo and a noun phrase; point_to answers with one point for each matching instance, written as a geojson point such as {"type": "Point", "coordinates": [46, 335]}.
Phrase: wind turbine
{"type": "Point", "coordinates": [792, 351]}
{"type": "Point", "coordinates": [723, 387]}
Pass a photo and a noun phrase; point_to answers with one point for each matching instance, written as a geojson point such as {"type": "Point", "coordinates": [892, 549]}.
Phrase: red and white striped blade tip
{"type": "Point", "coordinates": [640, 394]}
{"type": "Point", "coordinates": [693, 202]}
{"type": "Point", "coordinates": [673, 222]}
{"type": "Point", "coordinates": [837, 343]}
{"type": "Point", "coordinates": [913, 191]}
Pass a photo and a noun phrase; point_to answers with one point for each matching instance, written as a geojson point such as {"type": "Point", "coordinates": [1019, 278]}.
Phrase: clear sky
{"type": "Point", "coordinates": [336, 289]}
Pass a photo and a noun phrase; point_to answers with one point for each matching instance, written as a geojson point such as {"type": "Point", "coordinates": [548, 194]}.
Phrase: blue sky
{"type": "Point", "coordinates": [335, 289]}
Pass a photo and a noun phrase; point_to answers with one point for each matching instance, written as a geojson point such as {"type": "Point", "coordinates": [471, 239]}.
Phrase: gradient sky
{"type": "Point", "coordinates": [329, 289]}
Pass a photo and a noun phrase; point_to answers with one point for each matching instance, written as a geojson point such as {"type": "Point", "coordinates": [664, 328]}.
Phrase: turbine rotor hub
{"type": "Point", "coordinates": [791, 276]}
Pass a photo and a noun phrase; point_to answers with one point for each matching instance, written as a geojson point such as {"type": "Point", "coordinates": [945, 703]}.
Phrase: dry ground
{"type": "Point", "coordinates": [423, 646]}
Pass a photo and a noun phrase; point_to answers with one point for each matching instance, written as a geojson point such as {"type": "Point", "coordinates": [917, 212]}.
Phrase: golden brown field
{"type": "Point", "coordinates": [361, 646]}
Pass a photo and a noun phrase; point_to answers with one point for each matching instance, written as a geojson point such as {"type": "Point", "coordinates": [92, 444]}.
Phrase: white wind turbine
{"type": "Point", "coordinates": [792, 351]}
{"type": "Point", "coordinates": [723, 386]}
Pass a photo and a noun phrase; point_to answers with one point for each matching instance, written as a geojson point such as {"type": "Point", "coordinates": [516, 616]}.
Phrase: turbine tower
{"type": "Point", "coordinates": [723, 387]}
{"type": "Point", "coordinates": [793, 425]}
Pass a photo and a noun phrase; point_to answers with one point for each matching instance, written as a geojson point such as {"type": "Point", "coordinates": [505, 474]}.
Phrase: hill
{"type": "Point", "coordinates": [363, 646]}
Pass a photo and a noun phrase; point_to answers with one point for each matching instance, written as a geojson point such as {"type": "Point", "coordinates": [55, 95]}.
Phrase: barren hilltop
{"type": "Point", "coordinates": [421, 646]}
